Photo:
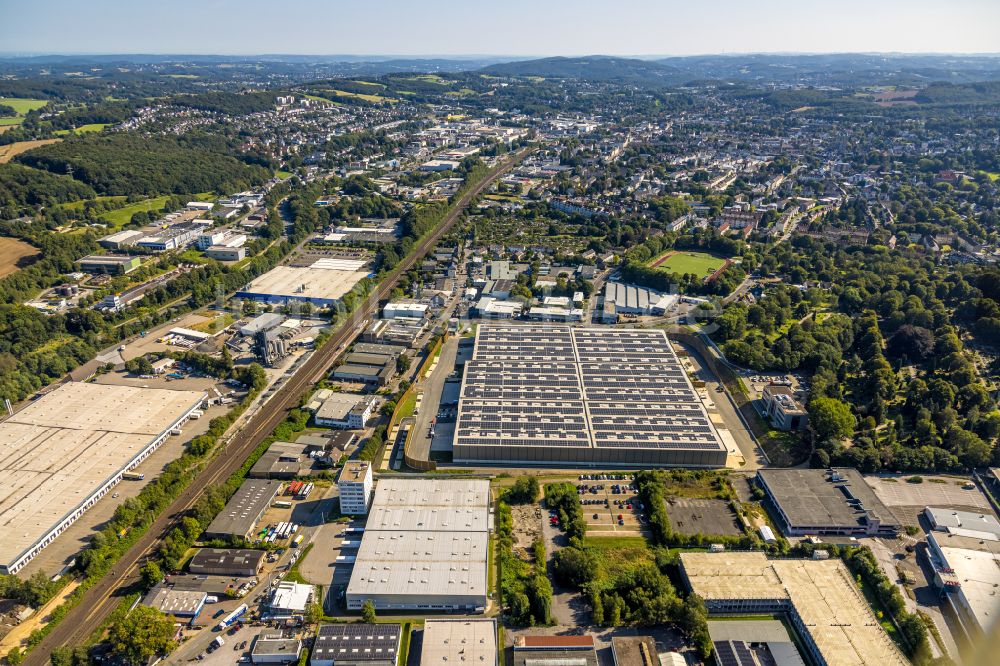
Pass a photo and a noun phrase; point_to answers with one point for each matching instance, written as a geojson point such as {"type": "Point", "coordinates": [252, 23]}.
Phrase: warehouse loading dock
{"type": "Point", "coordinates": [68, 449]}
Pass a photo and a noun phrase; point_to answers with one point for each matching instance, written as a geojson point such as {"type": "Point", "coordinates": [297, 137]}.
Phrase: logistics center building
{"type": "Point", "coordinates": [425, 546]}
{"type": "Point", "coordinates": [556, 395]}
{"type": "Point", "coordinates": [67, 449]}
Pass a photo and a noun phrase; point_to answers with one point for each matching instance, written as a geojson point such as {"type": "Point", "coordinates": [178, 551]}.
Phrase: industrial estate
{"type": "Point", "coordinates": [595, 361]}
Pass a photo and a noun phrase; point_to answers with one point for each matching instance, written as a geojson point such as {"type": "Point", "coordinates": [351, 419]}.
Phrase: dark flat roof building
{"type": "Point", "coordinates": [244, 509]}
{"type": "Point", "coordinates": [356, 644]}
{"type": "Point", "coordinates": [826, 502]}
{"type": "Point", "coordinates": [227, 562]}
{"type": "Point", "coordinates": [556, 395]}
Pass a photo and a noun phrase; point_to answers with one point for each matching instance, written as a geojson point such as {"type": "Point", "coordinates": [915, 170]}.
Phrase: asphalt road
{"type": "Point", "coordinates": [101, 599]}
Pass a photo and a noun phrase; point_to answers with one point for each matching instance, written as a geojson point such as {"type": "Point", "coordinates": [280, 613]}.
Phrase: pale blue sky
{"type": "Point", "coordinates": [504, 27]}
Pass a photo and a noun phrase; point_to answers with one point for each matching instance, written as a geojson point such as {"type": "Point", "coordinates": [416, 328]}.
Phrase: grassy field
{"type": "Point", "coordinates": [21, 106]}
{"type": "Point", "coordinates": [120, 217]}
{"type": "Point", "coordinates": [83, 129]}
{"type": "Point", "coordinates": [13, 251]}
{"type": "Point", "coordinates": [368, 98]}
{"type": "Point", "coordinates": [283, 174]}
{"type": "Point", "coordinates": [8, 152]}
{"type": "Point", "coordinates": [696, 263]}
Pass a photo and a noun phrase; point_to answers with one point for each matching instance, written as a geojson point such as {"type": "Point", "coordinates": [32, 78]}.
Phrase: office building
{"type": "Point", "coordinates": [355, 485]}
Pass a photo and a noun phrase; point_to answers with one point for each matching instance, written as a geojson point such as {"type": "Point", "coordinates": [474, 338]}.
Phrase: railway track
{"type": "Point", "coordinates": [101, 599]}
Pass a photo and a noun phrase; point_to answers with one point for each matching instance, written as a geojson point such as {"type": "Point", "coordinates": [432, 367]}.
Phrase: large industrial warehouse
{"type": "Point", "coordinates": [556, 395]}
{"type": "Point", "coordinates": [820, 597]}
{"type": "Point", "coordinates": [66, 450]}
{"type": "Point", "coordinates": [425, 546]}
{"type": "Point", "coordinates": [322, 283]}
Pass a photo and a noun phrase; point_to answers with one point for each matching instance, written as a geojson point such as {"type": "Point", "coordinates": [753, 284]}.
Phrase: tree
{"type": "Point", "coordinates": [368, 612]}
{"type": "Point", "coordinates": [15, 656]}
{"type": "Point", "coordinates": [139, 366]}
{"type": "Point", "coordinates": [524, 491]}
{"type": "Point", "coordinates": [151, 574]}
{"type": "Point", "coordinates": [575, 566]}
{"type": "Point", "coordinates": [314, 613]}
{"type": "Point", "coordinates": [402, 363]}
{"type": "Point", "coordinates": [143, 633]}
{"type": "Point", "coordinates": [831, 418]}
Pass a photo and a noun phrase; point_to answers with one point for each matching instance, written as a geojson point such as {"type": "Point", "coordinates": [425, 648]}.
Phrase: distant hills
{"type": "Point", "coordinates": [760, 69]}
{"type": "Point", "coordinates": [832, 69]}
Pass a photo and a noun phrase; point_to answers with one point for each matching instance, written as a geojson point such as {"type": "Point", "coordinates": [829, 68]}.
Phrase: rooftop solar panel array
{"type": "Point", "coordinates": [579, 388]}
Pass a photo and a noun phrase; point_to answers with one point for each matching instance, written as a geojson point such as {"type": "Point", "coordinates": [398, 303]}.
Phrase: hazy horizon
{"type": "Point", "coordinates": [516, 29]}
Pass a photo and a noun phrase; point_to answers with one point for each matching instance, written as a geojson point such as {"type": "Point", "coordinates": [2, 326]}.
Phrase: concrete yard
{"type": "Point", "coordinates": [702, 516]}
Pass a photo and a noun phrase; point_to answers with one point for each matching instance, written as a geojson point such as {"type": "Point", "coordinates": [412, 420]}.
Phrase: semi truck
{"type": "Point", "coordinates": [232, 617]}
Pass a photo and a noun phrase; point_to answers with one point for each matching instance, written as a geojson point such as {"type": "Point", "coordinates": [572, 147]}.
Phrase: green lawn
{"type": "Point", "coordinates": [696, 263]}
{"type": "Point", "coordinates": [284, 174]}
{"type": "Point", "coordinates": [367, 98]}
{"type": "Point", "coordinates": [83, 129]}
{"type": "Point", "coordinates": [21, 106]}
{"type": "Point", "coordinates": [122, 216]}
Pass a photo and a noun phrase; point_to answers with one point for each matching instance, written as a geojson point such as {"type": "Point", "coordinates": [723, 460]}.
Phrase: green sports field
{"type": "Point", "coordinates": [696, 263]}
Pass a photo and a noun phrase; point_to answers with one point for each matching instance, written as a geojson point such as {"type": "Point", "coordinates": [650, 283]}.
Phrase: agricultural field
{"type": "Point", "coordinates": [375, 99]}
{"type": "Point", "coordinates": [83, 129]}
{"type": "Point", "coordinates": [22, 106]}
{"type": "Point", "coordinates": [11, 150]}
{"type": "Point", "coordinates": [683, 262]}
{"type": "Point", "coordinates": [13, 254]}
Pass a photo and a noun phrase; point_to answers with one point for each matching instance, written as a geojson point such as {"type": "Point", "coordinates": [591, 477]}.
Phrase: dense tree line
{"type": "Point", "coordinates": [122, 164]}
{"type": "Point", "coordinates": [886, 347]}
{"type": "Point", "coordinates": [232, 104]}
{"type": "Point", "coordinates": [22, 187]}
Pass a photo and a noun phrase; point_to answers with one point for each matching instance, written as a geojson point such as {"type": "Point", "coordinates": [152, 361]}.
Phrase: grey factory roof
{"type": "Point", "coordinates": [807, 497]}
{"type": "Point", "coordinates": [60, 449]}
{"type": "Point", "coordinates": [337, 406]}
{"type": "Point", "coordinates": [549, 386]}
{"type": "Point", "coordinates": [425, 537]}
{"type": "Point", "coordinates": [376, 644]}
{"type": "Point", "coordinates": [245, 508]}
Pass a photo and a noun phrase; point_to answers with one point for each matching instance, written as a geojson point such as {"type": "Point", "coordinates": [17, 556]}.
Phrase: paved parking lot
{"type": "Point", "coordinates": [946, 491]}
{"type": "Point", "coordinates": [702, 516]}
{"type": "Point", "coordinates": [605, 505]}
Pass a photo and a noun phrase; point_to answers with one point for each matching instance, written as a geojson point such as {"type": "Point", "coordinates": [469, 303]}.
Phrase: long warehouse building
{"type": "Point", "coordinates": [66, 450]}
{"type": "Point", "coordinates": [425, 547]}
{"type": "Point", "coordinates": [556, 395]}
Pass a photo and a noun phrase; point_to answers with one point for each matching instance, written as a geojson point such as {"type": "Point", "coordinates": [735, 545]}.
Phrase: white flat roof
{"type": "Point", "coordinates": [306, 282]}
{"type": "Point", "coordinates": [425, 537]}
{"type": "Point", "coordinates": [413, 563]}
{"type": "Point", "coordinates": [977, 571]}
{"type": "Point", "coordinates": [291, 596]}
{"type": "Point", "coordinates": [59, 450]}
